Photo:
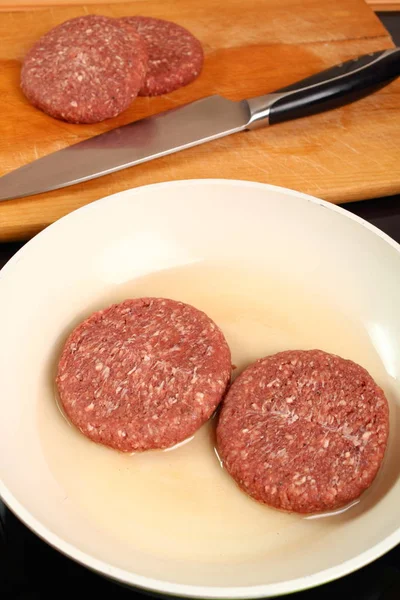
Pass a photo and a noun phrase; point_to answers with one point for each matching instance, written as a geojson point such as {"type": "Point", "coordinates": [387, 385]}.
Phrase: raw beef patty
{"type": "Point", "coordinates": [175, 55]}
{"type": "Point", "coordinates": [143, 374]}
{"type": "Point", "coordinates": [303, 431]}
{"type": "Point", "coordinates": [85, 70]}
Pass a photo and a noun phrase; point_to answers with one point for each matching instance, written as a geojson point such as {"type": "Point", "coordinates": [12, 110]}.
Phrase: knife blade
{"type": "Point", "coordinates": [200, 122]}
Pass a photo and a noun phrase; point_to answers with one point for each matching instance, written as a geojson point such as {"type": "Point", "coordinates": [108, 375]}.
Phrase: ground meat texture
{"type": "Point", "coordinates": [303, 431]}
{"type": "Point", "coordinates": [143, 374]}
{"type": "Point", "coordinates": [175, 55]}
{"type": "Point", "coordinates": [85, 70]}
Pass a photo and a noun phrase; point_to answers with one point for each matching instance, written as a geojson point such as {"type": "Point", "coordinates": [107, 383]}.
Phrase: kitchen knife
{"type": "Point", "coordinates": [199, 122]}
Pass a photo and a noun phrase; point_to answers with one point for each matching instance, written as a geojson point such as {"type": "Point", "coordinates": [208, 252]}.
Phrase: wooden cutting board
{"type": "Point", "coordinates": [251, 48]}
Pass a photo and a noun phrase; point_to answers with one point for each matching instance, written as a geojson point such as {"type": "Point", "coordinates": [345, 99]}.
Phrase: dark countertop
{"type": "Point", "coordinates": [26, 561]}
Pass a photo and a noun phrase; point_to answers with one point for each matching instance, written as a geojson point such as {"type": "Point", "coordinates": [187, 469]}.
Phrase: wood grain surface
{"type": "Point", "coordinates": [378, 5]}
{"type": "Point", "coordinates": [384, 5]}
{"type": "Point", "coordinates": [348, 154]}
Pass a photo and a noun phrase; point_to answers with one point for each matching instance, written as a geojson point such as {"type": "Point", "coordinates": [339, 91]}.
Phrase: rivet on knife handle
{"type": "Point", "coordinates": [328, 89]}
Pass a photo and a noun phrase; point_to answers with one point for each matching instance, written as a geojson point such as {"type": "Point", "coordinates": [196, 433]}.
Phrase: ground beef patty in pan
{"type": "Point", "coordinates": [143, 374]}
{"type": "Point", "coordinates": [85, 70]}
{"type": "Point", "coordinates": [303, 431]}
{"type": "Point", "coordinates": [175, 55]}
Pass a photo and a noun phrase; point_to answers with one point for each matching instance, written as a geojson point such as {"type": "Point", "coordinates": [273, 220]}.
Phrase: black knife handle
{"type": "Point", "coordinates": [328, 89]}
